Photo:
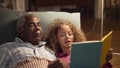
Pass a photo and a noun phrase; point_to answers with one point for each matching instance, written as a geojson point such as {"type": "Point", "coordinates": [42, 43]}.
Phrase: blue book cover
{"type": "Point", "coordinates": [86, 54]}
{"type": "Point", "coordinates": [90, 54]}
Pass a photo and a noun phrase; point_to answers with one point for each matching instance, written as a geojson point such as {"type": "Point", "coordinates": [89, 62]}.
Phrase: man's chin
{"type": "Point", "coordinates": [37, 38]}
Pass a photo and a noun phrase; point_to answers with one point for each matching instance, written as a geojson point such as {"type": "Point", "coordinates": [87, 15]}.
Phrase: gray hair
{"type": "Point", "coordinates": [21, 21]}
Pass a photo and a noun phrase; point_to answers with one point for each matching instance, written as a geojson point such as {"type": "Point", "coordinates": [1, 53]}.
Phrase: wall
{"type": "Point", "coordinates": [98, 9]}
{"type": "Point", "coordinates": [17, 5]}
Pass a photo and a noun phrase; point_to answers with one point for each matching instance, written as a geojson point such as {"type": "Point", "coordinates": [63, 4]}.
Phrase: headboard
{"type": "Point", "coordinates": [8, 20]}
{"type": "Point", "coordinates": [7, 25]}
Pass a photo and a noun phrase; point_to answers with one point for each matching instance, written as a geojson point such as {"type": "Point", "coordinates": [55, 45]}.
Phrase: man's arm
{"type": "Point", "coordinates": [33, 62]}
{"type": "Point", "coordinates": [4, 57]}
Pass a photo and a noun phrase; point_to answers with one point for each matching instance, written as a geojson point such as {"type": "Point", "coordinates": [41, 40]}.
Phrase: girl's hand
{"type": "Point", "coordinates": [109, 55]}
{"type": "Point", "coordinates": [108, 58]}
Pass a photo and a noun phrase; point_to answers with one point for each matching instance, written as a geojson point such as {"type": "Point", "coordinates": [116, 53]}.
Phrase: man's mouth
{"type": "Point", "coordinates": [38, 31]}
{"type": "Point", "coordinates": [38, 34]}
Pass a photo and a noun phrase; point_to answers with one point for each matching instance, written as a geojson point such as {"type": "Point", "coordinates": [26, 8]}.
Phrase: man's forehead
{"type": "Point", "coordinates": [34, 19]}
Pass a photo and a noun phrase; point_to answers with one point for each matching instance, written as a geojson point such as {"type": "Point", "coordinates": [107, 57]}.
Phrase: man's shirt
{"type": "Point", "coordinates": [14, 52]}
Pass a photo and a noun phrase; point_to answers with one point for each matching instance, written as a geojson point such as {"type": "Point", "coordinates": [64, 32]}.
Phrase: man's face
{"type": "Point", "coordinates": [33, 31]}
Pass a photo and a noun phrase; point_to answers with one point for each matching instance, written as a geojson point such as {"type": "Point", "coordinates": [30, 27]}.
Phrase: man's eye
{"type": "Point", "coordinates": [31, 25]}
{"type": "Point", "coordinates": [39, 24]}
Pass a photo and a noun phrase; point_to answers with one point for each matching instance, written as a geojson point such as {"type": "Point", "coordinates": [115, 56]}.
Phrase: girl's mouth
{"type": "Point", "coordinates": [68, 42]}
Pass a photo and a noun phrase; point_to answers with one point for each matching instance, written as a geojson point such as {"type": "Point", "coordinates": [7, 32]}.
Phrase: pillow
{"type": "Point", "coordinates": [47, 17]}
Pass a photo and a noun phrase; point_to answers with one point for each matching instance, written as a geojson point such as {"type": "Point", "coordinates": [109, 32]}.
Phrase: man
{"type": "Point", "coordinates": [28, 51]}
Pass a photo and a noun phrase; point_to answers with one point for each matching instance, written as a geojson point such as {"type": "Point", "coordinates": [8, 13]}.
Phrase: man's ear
{"type": "Point", "coordinates": [19, 32]}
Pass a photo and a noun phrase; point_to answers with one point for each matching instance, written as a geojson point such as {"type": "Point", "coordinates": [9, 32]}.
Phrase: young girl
{"type": "Point", "coordinates": [59, 37]}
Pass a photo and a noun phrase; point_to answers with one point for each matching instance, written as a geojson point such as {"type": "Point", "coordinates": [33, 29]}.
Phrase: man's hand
{"type": "Point", "coordinates": [58, 64]}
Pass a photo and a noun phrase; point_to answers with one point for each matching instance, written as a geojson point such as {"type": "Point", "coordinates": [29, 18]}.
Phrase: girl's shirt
{"type": "Point", "coordinates": [64, 57]}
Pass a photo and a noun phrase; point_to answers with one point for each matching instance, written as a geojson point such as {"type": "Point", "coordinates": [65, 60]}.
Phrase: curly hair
{"type": "Point", "coordinates": [51, 33]}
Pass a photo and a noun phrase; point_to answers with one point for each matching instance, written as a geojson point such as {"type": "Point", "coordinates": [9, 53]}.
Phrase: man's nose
{"type": "Point", "coordinates": [37, 26]}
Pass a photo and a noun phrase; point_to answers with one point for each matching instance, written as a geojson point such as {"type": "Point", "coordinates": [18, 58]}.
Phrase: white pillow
{"type": "Point", "coordinates": [49, 16]}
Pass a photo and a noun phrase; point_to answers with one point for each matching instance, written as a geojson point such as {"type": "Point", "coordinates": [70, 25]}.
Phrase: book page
{"type": "Point", "coordinates": [106, 46]}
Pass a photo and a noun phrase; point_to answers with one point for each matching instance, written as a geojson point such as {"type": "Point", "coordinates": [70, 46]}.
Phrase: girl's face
{"type": "Point", "coordinates": [65, 37]}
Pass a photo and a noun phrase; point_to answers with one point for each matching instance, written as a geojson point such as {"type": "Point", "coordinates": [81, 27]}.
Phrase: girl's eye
{"type": "Point", "coordinates": [70, 34]}
{"type": "Point", "coordinates": [63, 34]}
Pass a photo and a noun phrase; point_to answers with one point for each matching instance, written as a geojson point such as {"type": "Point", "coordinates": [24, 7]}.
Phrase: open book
{"type": "Point", "coordinates": [90, 54]}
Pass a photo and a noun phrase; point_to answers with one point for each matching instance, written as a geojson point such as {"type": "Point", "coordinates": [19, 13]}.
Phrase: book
{"type": "Point", "coordinates": [90, 54]}
{"type": "Point", "coordinates": [106, 45]}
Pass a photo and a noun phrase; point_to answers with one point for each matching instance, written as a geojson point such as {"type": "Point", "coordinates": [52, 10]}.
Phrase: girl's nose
{"type": "Point", "coordinates": [67, 36]}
